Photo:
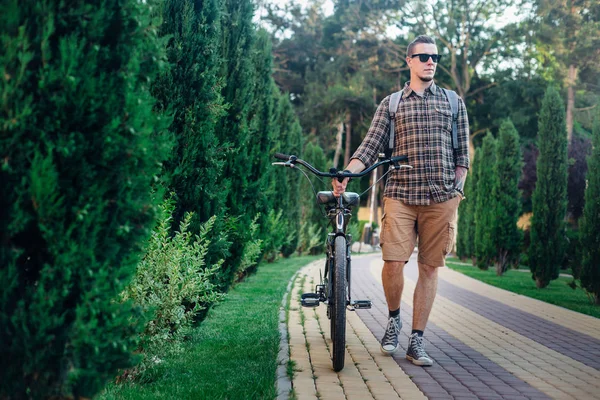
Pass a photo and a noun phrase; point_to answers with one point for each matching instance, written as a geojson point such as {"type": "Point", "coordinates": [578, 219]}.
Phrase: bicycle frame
{"type": "Point", "coordinates": [334, 288]}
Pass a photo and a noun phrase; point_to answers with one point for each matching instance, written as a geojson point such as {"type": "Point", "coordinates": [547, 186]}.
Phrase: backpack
{"type": "Point", "coordinates": [395, 100]}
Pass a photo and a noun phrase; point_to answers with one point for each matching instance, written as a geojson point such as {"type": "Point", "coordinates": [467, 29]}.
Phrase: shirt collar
{"type": "Point", "coordinates": [408, 90]}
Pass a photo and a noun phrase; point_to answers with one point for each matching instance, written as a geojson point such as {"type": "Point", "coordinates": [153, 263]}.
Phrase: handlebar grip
{"type": "Point", "coordinates": [399, 159]}
{"type": "Point", "coordinates": [281, 156]}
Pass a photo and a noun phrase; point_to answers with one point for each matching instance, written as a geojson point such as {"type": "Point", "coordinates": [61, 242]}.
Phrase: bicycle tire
{"type": "Point", "coordinates": [338, 309]}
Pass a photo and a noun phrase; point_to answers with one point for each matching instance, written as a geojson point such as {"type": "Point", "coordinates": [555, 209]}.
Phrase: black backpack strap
{"type": "Point", "coordinates": [395, 99]}
{"type": "Point", "coordinates": [452, 97]}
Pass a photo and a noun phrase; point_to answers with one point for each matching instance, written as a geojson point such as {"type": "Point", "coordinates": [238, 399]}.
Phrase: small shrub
{"type": "Point", "coordinates": [172, 283]}
{"type": "Point", "coordinates": [252, 250]}
{"type": "Point", "coordinates": [311, 238]}
{"type": "Point", "coordinates": [279, 235]}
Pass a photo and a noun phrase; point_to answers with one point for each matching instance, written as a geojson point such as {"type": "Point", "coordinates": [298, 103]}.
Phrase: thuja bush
{"type": "Point", "coordinates": [547, 248]}
{"type": "Point", "coordinates": [173, 284]}
{"type": "Point", "coordinates": [80, 147]}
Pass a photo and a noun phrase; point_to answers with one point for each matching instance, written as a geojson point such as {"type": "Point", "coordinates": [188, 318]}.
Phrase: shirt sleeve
{"type": "Point", "coordinates": [462, 125]}
{"type": "Point", "coordinates": [378, 136]}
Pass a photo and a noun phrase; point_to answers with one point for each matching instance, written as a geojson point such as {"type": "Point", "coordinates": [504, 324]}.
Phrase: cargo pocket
{"type": "Point", "coordinates": [383, 229]}
{"type": "Point", "coordinates": [450, 240]}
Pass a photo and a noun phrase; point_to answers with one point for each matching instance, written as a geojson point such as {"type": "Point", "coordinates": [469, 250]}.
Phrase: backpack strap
{"type": "Point", "coordinates": [452, 97]}
{"type": "Point", "coordinates": [395, 99]}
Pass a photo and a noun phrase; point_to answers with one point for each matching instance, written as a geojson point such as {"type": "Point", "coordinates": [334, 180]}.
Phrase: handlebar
{"type": "Point", "coordinates": [292, 160]}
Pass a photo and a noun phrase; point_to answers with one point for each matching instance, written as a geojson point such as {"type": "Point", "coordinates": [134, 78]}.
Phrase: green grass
{"type": "Point", "coordinates": [557, 292]}
{"type": "Point", "coordinates": [233, 353]}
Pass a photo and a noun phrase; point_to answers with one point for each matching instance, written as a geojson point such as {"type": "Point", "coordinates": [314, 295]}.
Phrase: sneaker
{"type": "Point", "coordinates": [416, 351]}
{"type": "Point", "coordinates": [389, 343]}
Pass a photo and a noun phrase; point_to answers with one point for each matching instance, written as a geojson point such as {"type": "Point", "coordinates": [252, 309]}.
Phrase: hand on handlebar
{"type": "Point", "coordinates": [339, 187]}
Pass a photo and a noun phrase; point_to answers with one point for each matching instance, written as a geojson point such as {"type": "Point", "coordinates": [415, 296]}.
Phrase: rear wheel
{"type": "Point", "coordinates": [338, 308]}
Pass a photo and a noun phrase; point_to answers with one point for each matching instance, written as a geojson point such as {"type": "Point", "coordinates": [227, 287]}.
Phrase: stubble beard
{"type": "Point", "coordinates": [426, 78]}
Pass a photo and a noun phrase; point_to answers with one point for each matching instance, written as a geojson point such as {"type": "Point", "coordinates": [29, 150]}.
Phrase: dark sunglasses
{"type": "Point", "coordinates": [424, 57]}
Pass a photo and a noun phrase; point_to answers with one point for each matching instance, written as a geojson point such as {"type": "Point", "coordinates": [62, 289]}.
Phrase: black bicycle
{"type": "Point", "coordinates": [334, 288]}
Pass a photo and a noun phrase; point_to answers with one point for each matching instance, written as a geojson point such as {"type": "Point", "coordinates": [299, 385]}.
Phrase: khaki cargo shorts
{"type": "Point", "coordinates": [434, 225]}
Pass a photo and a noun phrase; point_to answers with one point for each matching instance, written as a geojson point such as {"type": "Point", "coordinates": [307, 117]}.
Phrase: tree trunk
{"type": "Point", "coordinates": [572, 77]}
{"type": "Point", "coordinates": [348, 138]}
{"type": "Point", "coordinates": [502, 262]}
{"type": "Point", "coordinates": [541, 283]}
{"type": "Point", "coordinates": [338, 146]}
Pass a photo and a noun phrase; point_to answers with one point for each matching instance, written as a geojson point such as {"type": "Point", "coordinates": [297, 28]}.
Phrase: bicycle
{"type": "Point", "coordinates": [334, 286]}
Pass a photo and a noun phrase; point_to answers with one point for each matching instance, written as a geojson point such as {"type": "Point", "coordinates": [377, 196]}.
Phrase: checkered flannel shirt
{"type": "Point", "coordinates": [423, 127]}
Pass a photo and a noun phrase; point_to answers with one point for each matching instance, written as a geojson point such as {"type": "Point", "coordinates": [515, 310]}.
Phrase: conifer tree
{"type": "Point", "coordinates": [237, 43]}
{"type": "Point", "coordinates": [506, 235]}
{"type": "Point", "coordinates": [547, 248]}
{"type": "Point", "coordinates": [590, 224]}
{"type": "Point", "coordinates": [80, 147]}
{"type": "Point", "coordinates": [485, 250]}
{"type": "Point", "coordinates": [288, 182]}
{"type": "Point", "coordinates": [465, 246]}
{"type": "Point", "coordinates": [189, 89]}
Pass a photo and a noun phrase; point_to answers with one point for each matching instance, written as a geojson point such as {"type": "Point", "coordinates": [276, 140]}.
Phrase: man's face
{"type": "Point", "coordinates": [423, 70]}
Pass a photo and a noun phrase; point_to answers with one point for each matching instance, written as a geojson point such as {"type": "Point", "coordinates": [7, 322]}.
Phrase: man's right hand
{"type": "Point", "coordinates": [339, 187]}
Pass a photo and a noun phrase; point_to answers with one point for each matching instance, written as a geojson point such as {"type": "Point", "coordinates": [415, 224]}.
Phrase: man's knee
{"type": "Point", "coordinates": [427, 271]}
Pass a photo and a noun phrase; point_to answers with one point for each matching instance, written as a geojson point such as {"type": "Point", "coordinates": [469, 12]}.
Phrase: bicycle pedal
{"type": "Point", "coordinates": [361, 304]}
{"type": "Point", "coordinates": [310, 300]}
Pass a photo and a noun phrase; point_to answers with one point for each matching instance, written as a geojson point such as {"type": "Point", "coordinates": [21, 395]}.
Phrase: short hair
{"type": "Point", "coordinates": [418, 39]}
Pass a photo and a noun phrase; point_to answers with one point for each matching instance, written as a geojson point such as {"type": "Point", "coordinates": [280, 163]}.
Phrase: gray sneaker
{"type": "Point", "coordinates": [389, 343]}
{"type": "Point", "coordinates": [416, 351]}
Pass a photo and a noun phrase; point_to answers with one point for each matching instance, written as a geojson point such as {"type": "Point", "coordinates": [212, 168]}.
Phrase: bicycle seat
{"type": "Point", "coordinates": [350, 198]}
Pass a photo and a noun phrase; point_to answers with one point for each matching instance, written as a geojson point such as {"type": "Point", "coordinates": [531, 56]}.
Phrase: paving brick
{"type": "Point", "coordinates": [521, 357]}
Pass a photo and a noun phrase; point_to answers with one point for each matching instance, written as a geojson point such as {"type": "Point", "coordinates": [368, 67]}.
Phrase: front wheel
{"type": "Point", "coordinates": [338, 308]}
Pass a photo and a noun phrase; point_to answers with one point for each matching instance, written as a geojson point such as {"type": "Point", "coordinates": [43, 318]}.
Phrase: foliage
{"type": "Point", "coordinates": [567, 48]}
{"type": "Point", "coordinates": [528, 175]}
{"type": "Point", "coordinates": [579, 148]}
{"type": "Point", "coordinates": [189, 90]}
{"type": "Point", "coordinates": [311, 238]}
{"type": "Point", "coordinates": [507, 170]}
{"type": "Point", "coordinates": [80, 148]}
{"type": "Point", "coordinates": [485, 209]}
{"type": "Point", "coordinates": [465, 241]}
{"type": "Point", "coordinates": [590, 224]}
{"type": "Point", "coordinates": [280, 235]}
{"type": "Point", "coordinates": [252, 250]}
{"type": "Point", "coordinates": [242, 330]}
{"type": "Point", "coordinates": [546, 251]}
{"type": "Point", "coordinates": [173, 284]}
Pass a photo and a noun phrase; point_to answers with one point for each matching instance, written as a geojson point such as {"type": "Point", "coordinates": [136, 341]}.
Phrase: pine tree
{"type": "Point", "coordinates": [547, 248]}
{"type": "Point", "coordinates": [485, 250]}
{"type": "Point", "coordinates": [590, 224]}
{"type": "Point", "coordinates": [80, 147]}
{"type": "Point", "coordinates": [288, 182]}
{"type": "Point", "coordinates": [189, 89]}
{"type": "Point", "coordinates": [465, 246]}
{"type": "Point", "coordinates": [237, 43]}
{"type": "Point", "coordinates": [507, 236]}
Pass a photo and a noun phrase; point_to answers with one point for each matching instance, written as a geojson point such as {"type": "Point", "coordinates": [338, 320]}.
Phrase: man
{"type": "Point", "coordinates": [421, 201]}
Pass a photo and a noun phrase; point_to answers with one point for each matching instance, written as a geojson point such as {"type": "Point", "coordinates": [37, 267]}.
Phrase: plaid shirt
{"type": "Point", "coordinates": [423, 128]}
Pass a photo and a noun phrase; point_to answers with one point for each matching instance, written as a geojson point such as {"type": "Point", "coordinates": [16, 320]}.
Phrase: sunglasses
{"type": "Point", "coordinates": [424, 57]}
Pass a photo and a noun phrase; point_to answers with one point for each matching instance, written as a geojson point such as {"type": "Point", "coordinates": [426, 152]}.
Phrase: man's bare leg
{"type": "Point", "coordinates": [424, 295]}
{"type": "Point", "coordinates": [422, 303]}
{"type": "Point", "coordinates": [392, 278]}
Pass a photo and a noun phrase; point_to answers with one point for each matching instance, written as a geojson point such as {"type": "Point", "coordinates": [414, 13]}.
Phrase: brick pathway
{"type": "Point", "coordinates": [487, 343]}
